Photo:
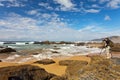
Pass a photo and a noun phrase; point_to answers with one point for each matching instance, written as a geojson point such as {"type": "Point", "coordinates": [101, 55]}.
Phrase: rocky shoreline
{"type": "Point", "coordinates": [90, 67]}
{"type": "Point", "coordinates": [87, 67]}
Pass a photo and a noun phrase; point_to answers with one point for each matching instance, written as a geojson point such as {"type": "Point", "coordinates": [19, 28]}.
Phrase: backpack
{"type": "Point", "coordinates": [111, 44]}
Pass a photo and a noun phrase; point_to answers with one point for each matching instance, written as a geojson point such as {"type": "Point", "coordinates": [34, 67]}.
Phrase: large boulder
{"type": "Point", "coordinates": [24, 72]}
{"type": "Point", "coordinates": [100, 68]}
{"type": "Point", "coordinates": [45, 61]}
{"type": "Point", "coordinates": [73, 68]}
{"type": "Point", "coordinates": [6, 50]}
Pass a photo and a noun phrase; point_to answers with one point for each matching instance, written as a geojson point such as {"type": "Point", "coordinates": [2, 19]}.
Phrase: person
{"type": "Point", "coordinates": [108, 44]}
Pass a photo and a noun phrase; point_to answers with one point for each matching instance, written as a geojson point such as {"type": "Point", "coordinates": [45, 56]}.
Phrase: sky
{"type": "Point", "coordinates": [58, 20]}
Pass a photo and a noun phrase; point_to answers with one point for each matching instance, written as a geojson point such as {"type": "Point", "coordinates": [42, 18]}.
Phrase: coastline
{"type": "Point", "coordinates": [56, 68]}
{"type": "Point", "coordinates": [51, 68]}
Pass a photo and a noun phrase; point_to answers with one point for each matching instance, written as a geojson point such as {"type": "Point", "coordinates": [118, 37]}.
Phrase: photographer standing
{"type": "Point", "coordinates": [108, 44]}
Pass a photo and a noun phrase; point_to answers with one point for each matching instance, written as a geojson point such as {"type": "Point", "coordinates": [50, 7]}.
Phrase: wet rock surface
{"type": "Point", "coordinates": [58, 78]}
{"type": "Point", "coordinates": [7, 50]}
{"type": "Point", "coordinates": [116, 61]}
{"type": "Point", "coordinates": [71, 62]}
{"type": "Point", "coordinates": [45, 61]}
{"type": "Point", "coordinates": [24, 72]}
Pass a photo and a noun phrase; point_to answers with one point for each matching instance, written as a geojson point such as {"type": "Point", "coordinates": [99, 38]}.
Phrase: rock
{"type": "Point", "coordinates": [9, 43]}
{"type": "Point", "coordinates": [96, 58]}
{"type": "Point", "coordinates": [65, 62]}
{"type": "Point", "coordinates": [54, 52]}
{"type": "Point", "coordinates": [24, 72]}
{"type": "Point", "coordinates": [58, 78]}
{"type": "Point", "coordinates": [5, 50]}
{"type": "Point", "coordinates": [116, 61]}
{"type": "Point", "coordinates": [68, 62]}
{"type": "Point", "coordinates": [99, 68]}
{"type": "Point", "coordinates": [45, 61]}
{"type": "Point", "coordinates": [64, 42]}
{"type": "Point", "coordinates": [35, 53]}
{"type": "Point", "coordinates": [56, 48]}
{"type": "Point", "coordinates": [73, 69]}
{"type": "Point", "coordinates": [27, 43]}
{"type": "Point", "coordinates": [1, 47]}
{"type": "Point", "coordinates": [80, 44]}
{"type": "Point", "coordinates": [36, 42]}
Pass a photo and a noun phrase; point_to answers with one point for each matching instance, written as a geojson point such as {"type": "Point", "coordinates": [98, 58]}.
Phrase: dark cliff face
{"type": "Point", "coordinates": [24, 72]}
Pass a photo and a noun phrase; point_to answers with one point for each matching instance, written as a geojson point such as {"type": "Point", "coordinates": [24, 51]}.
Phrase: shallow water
{"type": "Point", "coordinates": [50, 51]}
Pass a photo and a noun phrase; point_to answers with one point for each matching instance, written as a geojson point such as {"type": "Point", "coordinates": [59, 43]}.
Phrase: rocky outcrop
{"type": "Point", "coordinates": [44, 42]}
{"type": "Point", "coordinates": [24, 72]}
{"type": "Point", "coordinates": [99, 68]}
{"type": "Point", "coordinates": [1, 47]}
{"type": "Point", "coordinates": [70, 62]}
{"type": "Point", "coordinates": [73, 69]}
{"type": "Point", "coordinates": [116, 47]}
{"type": "Point", "coordinates": [9, 42]}
{"type": "Point", "coordinates": [5, 50]}
{"type": "Point", "coordinates": [45, 61]}
{"type": "Point", "coordinates": [80, 44]}
{"type": "Point", "coordinates": [58, 78]}
{"type": "Point", "coordinates": [52, 42]}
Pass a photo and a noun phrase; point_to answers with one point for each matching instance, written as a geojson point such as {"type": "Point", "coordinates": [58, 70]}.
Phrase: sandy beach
{"type": "Point", "coordinates": [71, 72]}
{"type": "Point", "coordinates": [55, 68]}
{"type": "Point", "coordinates": [51, 68]}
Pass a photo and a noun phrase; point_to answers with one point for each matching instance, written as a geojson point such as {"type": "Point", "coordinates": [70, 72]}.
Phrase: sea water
{"type": "Point", "coordinates": [52, 50]}
{"type": "Point", "coordinates": [63, 48]}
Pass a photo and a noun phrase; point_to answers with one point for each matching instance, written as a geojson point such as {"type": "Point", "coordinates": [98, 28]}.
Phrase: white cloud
{"type": "Point", "coordinates": [103, 1]}
{"type": "Point", "coordinates": [15, 21]}
{"type": "Point", "coordinates": [114, 4]}
{"type": "Point", "coordinates": [92, 11]}
{"type": "Point", "coordinates": [12, 3]}
{"type": "Point", "coordinates": [17, 27]}
{"type": "Point", "coordinates": [33, 12]}
{"type": "Point", "coordinates": [27, 28]}
{"type": "Point", "coordinates": [65, 5]}
{"type": "Point", "coordinates": [107, 18]}
{"type": "Point", "coordinates": [95, 6]}
{"type": "Point", "coordinates": [46, 5]}
{"type": "Point", "coordinates": [1, 4]}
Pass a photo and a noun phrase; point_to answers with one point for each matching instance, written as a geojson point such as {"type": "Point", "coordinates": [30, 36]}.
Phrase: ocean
{"type": "Point", "coordinates": [49, 51]}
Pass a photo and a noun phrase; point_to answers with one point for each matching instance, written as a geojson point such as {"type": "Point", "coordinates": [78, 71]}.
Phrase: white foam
{"type": "Point", "coordinates": [1, 43]}
{"type": "Point", "coordinates": [12, 57]}
{"type": "Point", "coordinates": [20, 43]}
{"type": "Point", "coordinates": [31, 42]}
{"type": "Point", "coordinates": [13, 47]}
{"type": "Point", "coordinates": [24, 60]}
{"type": "Point", "coordinates": [42, 56]}
{"type": "Point", "coordinates": [77, 50]}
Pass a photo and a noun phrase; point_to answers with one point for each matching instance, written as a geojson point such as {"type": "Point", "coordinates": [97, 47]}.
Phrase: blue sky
{"type": "Point", "coordinates": [57, 20]}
